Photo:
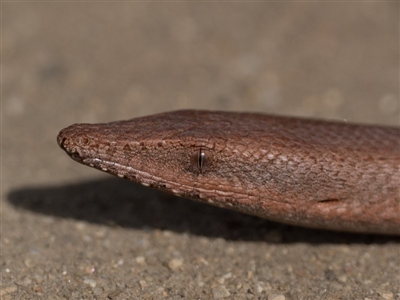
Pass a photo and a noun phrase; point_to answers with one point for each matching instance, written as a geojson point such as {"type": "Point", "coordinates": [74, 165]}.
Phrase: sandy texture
{"type": "Point", "coordinates": [70, 232]}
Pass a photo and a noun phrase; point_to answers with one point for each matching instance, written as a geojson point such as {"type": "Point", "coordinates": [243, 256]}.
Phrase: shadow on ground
{"type": "Point", "coordinates": [117, 202]}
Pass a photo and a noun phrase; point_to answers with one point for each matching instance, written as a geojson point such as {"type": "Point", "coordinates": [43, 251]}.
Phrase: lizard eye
{"type": "Point", "coordinates": [199, 160]}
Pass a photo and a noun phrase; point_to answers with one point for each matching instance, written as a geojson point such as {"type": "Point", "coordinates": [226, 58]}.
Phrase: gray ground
{"type": "Point", "coordinates": [70, 232]}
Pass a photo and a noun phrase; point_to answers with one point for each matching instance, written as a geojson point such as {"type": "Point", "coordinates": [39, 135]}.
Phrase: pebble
{"type": "Point", "coordinates": [90, 282]}
{"type": "Point", "coordinates": [8, 290]}
{"type": "Point", "coordinates": [387, 296]}
{"type": "Point", "coordinates": [140, 260]}
{"type": "Point", "coordinates": [143, 284]}
{"type": "Point", "coordinates": [276, 297]}
{"type": "Point", "coordinates": [220, 292]}
{"type": "Point", "coordinates": [175, 264]}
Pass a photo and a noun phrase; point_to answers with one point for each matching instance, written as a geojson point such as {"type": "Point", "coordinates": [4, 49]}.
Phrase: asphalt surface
{"type": "Point", "coordinates": [71, 232]}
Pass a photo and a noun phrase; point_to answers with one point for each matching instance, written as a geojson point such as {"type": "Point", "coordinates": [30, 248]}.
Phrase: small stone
{"type": "Point", "coordinates": [119, 263]}
{"type": "Point", "coordinates": [276, 297]}
{"type": "Point", "coordinates": [143, 284]}
{"type": "Point", "coordinates": [140, 260]}
{"type": "Point", "coordinates": [227, 275]}
{"type": "Point", "coordinates": [90, 282]}
{"type": "Point", "coordinates": [175, 264]}
{"type": "Point", "coordinates": [80, 226]}
{"type": "Point", "coordinates": [90, 269]}
{"type": "Point", "coordinates": [100, 234]}
{"type": "Point", "coordinates": [8, 290]}
{"type": "Point", "coordinates": [28, 263]}
{"type": "Point", "coordinates": [220, 292]}
{"type": "Point", "coordinates": [113, 294]}
{"type": "Point", "coordinates": [387, 295]}
{"type": "Point", "coordinates": [262, 287]}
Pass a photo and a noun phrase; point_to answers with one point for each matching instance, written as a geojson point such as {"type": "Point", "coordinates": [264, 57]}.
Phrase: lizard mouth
{"type": "Point", "coordinates": [66, 141]}
{"type": "Point", "coordinates": [75, 155]}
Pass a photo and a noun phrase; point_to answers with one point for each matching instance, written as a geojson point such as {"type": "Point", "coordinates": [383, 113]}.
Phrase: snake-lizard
{"type": "Point", "coordinates": [312, 173]}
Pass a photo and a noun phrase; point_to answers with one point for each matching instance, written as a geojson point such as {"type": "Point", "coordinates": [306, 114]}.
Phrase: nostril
{"type": "Point", "coordinates": [62, 142]}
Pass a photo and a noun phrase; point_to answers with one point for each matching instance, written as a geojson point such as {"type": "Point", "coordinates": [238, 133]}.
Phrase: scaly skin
{"type": "Point", "coordinates": [311, 173]}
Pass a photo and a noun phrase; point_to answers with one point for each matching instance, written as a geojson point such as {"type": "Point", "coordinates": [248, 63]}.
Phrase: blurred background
{"type": "Point", "coordinates": [70, 62]}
